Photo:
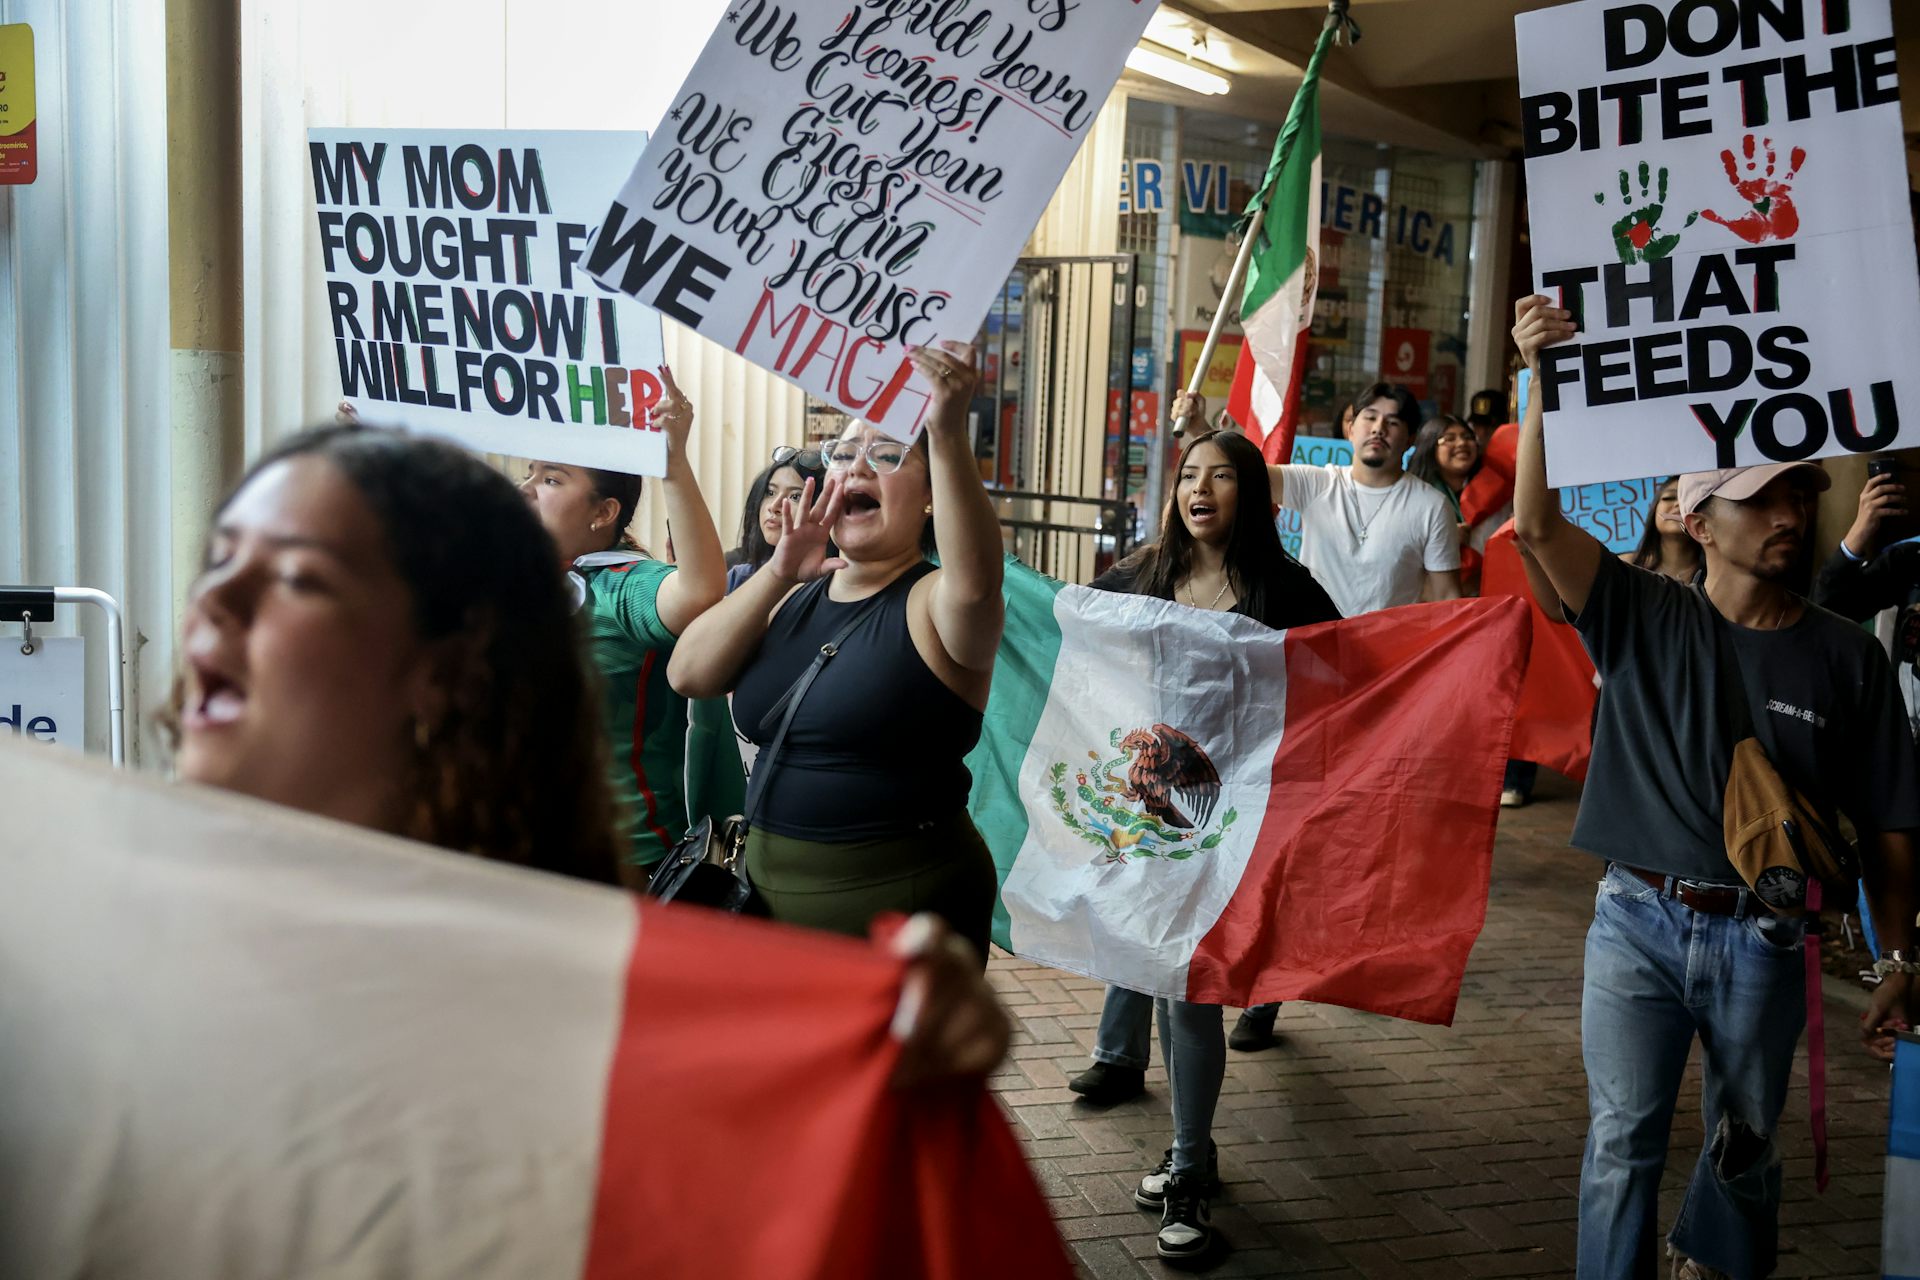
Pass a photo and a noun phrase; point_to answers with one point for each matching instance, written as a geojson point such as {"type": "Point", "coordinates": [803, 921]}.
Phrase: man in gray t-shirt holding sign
{"type": "Point", "coordinates": [1679, 946]}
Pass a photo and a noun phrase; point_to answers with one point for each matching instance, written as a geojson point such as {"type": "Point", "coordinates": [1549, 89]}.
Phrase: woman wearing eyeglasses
{"type": "Point", "coordinates": [864, 811]}
{"type": "Point", "coordinates": [780, 484]}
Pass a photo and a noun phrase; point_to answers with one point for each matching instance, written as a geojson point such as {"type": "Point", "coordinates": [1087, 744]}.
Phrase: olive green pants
{"type": "Point", "coordinates": [945, 869]}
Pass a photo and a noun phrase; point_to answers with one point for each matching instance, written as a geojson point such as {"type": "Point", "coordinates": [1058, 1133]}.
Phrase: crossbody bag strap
{"type": "Point", "coordinates": [790, 703]}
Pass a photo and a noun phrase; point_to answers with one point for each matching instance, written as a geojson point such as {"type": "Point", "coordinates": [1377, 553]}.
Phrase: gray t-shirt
{"type": "Point", "coordinates": [1823, 704]}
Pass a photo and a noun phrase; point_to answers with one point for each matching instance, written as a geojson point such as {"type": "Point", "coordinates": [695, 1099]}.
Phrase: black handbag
{"type": "Point", "coordinates": [708, 868]}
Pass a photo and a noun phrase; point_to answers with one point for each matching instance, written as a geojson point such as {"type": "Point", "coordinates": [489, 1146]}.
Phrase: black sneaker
{"type": "Point", "coordinates": [1186, 1227]}
{"type": "Point", "coordinates": [1104, 1084]}
{"type": "Point", "coordinates": [1251, 1034]}
{"type": "Point", "coordinates": [1152, 1191]}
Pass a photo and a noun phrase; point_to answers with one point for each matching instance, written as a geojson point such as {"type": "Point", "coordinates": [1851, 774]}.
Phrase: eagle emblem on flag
{"type": "Point", "coordinates": [1155, 799]}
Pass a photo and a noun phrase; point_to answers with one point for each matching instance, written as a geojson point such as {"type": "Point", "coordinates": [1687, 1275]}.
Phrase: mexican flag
{"type": "Point", "coordinates": [1187, 803]}
{"type": "Point", "coordinates": [1276, 308]}
{"type": "Point", "coordinates": [241, 1041]}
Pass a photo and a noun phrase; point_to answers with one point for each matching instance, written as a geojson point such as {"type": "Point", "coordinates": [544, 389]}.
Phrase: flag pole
{"type": "Point", "coordinates": [1236, 278]}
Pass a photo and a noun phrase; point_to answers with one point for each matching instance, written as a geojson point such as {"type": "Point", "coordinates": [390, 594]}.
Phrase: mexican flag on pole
{"type": "Point", "coordinates": [1187, 803]}
{"type": "Point", "coordinates": [1276, 307]}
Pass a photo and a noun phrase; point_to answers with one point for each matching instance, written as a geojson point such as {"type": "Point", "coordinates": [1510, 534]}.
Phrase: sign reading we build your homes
{"type": "Point", "coordinates": [840, 179]}
{"type": "Point", "coordinates": [1718, 190]}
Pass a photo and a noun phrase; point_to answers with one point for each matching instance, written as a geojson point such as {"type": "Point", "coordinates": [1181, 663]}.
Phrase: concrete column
{"type": "Point", "coordinates": [1489, 309]}
{"type": "Point", "coordinates": [204, 272]}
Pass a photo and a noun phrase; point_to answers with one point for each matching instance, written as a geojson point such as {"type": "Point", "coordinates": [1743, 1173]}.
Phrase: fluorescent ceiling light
{"type": "Point", "coordinates": [1161, 66]}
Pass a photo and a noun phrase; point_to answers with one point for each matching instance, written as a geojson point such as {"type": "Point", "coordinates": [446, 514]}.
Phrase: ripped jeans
{"type": "Point", "coordinates": [1657, 974]}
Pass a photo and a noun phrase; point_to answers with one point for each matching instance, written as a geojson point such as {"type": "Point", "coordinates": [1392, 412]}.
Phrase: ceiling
{"type": "Point", "coordinates": [1436, 74]}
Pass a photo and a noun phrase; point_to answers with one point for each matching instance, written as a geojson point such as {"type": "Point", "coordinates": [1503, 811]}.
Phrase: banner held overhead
{"type": "Point", "coordinates": [836, 183]}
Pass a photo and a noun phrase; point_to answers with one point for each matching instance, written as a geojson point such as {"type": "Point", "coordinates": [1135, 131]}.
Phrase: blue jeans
{"type": "Point", "coordinates": [1194, 1044]}
{"type": "Point", "coordinates": [1657, 974]}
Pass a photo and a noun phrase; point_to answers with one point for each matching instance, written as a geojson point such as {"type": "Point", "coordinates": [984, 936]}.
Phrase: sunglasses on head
{"type": "Point", "coordinates": [806, 459]}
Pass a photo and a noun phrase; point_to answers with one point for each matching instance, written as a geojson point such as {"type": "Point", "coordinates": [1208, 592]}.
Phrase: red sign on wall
{"type": "Point", "coordinates": [1403, 359]}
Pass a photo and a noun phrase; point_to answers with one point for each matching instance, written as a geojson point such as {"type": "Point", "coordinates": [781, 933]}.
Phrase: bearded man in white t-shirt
{"type": "Point", "coordinates": [1373, 536]}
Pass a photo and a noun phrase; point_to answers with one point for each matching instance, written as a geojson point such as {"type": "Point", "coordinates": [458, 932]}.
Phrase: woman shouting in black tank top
{"type": "Point", "coordinates": [864, 811]}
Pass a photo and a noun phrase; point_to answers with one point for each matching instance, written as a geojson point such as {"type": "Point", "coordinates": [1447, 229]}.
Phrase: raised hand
{"type": "Point", "coordinates": [806, 531]}
{"type": "Point", "coordinates": [951, 369]}
{"type": "Point", "coordinates": [1538, 323]}
{"type": "Point", "coordinates": [1636, 235]}
{"type": "Point", "coordinates": [674, 414]}
{"type": "Point", "coordinates": [1883, 499]}
{"type": "Point", "coordinates": [1770, 214]}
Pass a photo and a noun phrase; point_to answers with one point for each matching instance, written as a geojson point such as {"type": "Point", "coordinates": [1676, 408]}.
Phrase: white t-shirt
{"type": "Point", "coordinates": [1370, 548]}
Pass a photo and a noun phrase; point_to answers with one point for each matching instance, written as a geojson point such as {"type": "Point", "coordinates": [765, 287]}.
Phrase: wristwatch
{"type": "Point", "coordinates": [1894, 962]}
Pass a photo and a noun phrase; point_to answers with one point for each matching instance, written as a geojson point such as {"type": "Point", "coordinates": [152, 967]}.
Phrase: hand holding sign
{"type": "Point", "coordinates": [1538, 323]}
{"type": "Point", "coordinates": [950, 369]}
{"type": "Point", "coordinates": [673, 415]}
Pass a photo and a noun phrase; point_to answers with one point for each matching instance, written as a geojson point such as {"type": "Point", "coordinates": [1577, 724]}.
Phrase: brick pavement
{"type": "Point", "coordinates": [1364, 1146]}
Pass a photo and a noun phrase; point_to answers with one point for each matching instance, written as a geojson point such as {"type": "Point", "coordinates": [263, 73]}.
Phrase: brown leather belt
{"type": "Point", "coordinates": [1706, 899]}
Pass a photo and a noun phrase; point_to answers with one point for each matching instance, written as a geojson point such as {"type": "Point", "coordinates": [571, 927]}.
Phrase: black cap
{"type": "Point", "coordinates": [1485, 407]}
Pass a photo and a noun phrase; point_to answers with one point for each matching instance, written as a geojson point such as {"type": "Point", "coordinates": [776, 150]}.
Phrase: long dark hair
{"type": "Point", "coordinates": [1426, 451]}
{"type": "Point", "coordinates": [1646, 553]}
{"type": "Point", "coordinates": [753, 547]}
{"type": "Point", "coordinates": [515, 770]}
{"type": "Point", "coordinates": [1257, 563]}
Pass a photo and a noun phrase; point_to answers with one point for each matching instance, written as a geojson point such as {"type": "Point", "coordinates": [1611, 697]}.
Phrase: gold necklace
{"type": "Point", "coordinates": [1195, 600]}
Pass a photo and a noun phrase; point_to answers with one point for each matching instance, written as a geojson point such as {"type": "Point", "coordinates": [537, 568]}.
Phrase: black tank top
{"type": "Point", "coordinates": [878, 746]}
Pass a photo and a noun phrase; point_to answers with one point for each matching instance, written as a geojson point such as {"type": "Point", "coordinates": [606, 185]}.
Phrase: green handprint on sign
{"type": "Point", "coordinates": [1637, 234]}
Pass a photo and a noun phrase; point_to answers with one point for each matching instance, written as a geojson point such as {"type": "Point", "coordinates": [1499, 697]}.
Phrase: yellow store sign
{"type": "Point", "coordinates": [18, 150]}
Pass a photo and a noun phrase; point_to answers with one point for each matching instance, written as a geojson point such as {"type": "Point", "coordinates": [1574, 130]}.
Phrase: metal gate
{"type": "Point", "coordinates": [1059, 383]}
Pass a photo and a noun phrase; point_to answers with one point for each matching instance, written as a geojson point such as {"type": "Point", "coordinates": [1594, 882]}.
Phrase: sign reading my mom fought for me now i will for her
{"type": "Point", "coordinates": [457, 298]}
{"type": "Point", "coordinates": [837, 181]}
{"type": "Point", "coordinates": [1718, 190]}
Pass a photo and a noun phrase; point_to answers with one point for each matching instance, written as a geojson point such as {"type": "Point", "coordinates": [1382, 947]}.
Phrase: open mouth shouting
{"type": "Point", "coordinates": [1201, 513]}
{"type": "Point", "coordinates": [859, 503]}
{"type": "Point", "coordinates": [215, 697]}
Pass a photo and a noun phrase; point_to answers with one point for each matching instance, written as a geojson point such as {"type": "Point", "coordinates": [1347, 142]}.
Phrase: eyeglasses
{"type": "Point", "coordinates": [884, 456]}
{"type": "Point", "coordinates": [805, 459]}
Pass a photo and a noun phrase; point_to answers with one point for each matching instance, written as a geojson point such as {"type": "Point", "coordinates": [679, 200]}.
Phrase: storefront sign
{"type": "Point", "coordinates": [19, 149]}
{"type": "Point", "coordinates": [457, 298]}
{"type": "Point", "coordinates": [1719, 191]}
{"type": "Point", "coordinates": [43, 695]}
{"type": "Point", "coordinates": [1356, 212]}
{"type": "Point", "coordinates": [836, 182]}
{"type": "Point", "coordinates": [1219, 381]}
{"type": "Point", "coordinates": [1203, 188]}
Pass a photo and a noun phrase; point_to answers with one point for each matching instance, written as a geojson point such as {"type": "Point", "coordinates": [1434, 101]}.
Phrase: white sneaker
{"type": "Point", "coordinates": [1512, 799]}
{"type": "Point", "coordinates": [1186, 1227]}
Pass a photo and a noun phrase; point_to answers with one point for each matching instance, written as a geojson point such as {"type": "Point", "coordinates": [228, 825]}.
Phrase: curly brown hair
{"type": "Point", "coordinates": [515, 770]}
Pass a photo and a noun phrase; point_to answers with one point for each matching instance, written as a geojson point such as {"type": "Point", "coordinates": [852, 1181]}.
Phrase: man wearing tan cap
{"type": "Point", "coordinates": [1679, 945]}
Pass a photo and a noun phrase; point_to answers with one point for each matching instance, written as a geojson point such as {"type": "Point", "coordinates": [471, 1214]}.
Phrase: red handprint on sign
{"type": "Point", "coordinates": [1772, 216]}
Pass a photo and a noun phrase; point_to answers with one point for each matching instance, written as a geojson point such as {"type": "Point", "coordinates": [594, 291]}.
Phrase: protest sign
{"type": "Point", "coordinates": [836, 182]}
{"type": "Point", "coordinates": [1717, 190]}
{"type": "Point", "coordinates": [456, 297]}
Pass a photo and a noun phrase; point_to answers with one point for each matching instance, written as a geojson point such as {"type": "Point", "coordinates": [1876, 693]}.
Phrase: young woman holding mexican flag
{"type": "Point", "coordinates": [1218, 549]}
